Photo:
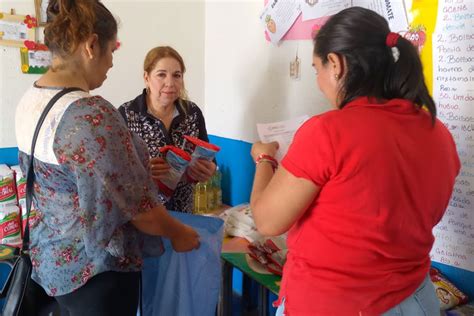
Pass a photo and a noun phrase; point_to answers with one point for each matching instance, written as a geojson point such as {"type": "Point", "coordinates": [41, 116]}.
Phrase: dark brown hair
{"type": "Point", "coordinates": [359, 35]}
{"type": "Point", "coordinates": [70, 22]}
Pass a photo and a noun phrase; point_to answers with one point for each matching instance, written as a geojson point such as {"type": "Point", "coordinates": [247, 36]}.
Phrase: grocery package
{"type": "Point", "coordinates": [7, 186]}
{"type": "Point", "coordinates": [10, 232]}
{"type": "Point", "coordinates": [448, 294]}
{"type": "Point", "coordinates": [238, 221]}
{"type": "Point", "coordinates": [208, 195]}
{"type": "Point", "coordinates": [270, 252]}
{"type": "Point", "coordinates": [201, 150]}
{"type": "Point", "coordinates": [20, 182]}
{"type": "Point", "coordinates": [178, 161]}
{"type": "Point", "coordinates": [33, 219]}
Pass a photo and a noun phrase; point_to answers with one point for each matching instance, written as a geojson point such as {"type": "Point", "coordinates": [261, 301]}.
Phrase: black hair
{"type": "Point", "coordinates": [359, 36]}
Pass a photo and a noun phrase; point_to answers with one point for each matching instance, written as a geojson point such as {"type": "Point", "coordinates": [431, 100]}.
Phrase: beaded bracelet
{"type": "Point", "coordinates": [267, 158]}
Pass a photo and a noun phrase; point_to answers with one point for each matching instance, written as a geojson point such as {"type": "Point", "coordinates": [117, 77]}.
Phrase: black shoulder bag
{"type": "Point", "coordinates": [16, 289]}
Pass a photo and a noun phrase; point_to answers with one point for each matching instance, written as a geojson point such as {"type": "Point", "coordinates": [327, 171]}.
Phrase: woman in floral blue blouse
{"type": "Point", "coordinates": [96, 202]}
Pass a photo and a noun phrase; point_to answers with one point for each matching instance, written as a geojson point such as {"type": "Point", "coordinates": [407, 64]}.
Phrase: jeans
{"type": "Point", "coordinates": [423, 302]}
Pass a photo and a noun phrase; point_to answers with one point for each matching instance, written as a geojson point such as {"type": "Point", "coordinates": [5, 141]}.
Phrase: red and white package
{"type": "Point", "coordinates": [201, 150]}
{"type": "Point", "coordinates": [448, 294]}
{"type": "Point", "coordinates": [33, 219]}
{"type": "Point", "coordinates": [20, 180]}
{"type": "Point", "coordinates": [270, 252]}
{"type": "Point", "coordinates": [7, 186]}
{"type": "Point", "coordinates": [178, 161]}
{"type": "Point", "coordinates": [10, 232]}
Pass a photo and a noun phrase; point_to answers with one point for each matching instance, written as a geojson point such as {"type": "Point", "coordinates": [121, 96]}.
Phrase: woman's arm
{"type": "Point", "coordinates": [278, 200]}
{"type": "Point", "coordinates": [157, 221]}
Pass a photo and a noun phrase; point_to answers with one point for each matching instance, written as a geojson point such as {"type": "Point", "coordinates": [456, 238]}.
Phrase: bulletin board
{"type": "Point", "coordinates": [15, 29]}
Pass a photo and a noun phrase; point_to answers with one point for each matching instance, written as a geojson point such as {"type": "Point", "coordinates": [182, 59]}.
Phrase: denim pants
{"type": "Point", "coordinates": [423, 302]}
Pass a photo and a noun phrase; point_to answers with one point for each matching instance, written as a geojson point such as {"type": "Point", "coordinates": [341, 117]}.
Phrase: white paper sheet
{"type": "Point", "coordinates": [393, 11]}
{"type": "Point", "coordinates": [453, 92]}
{"type": "Point", "coordinates": [278, 16]}
{"type": "Point", "coordinates": [314, 9]}
{"type": "Point", "coordinates": [13, 31]}
{"type": "Point", "coordinates": [281, 132]}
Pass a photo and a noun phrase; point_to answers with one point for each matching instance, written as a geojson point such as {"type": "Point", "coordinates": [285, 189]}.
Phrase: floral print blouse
{"type": "Point", "coordinates": [91, 180]}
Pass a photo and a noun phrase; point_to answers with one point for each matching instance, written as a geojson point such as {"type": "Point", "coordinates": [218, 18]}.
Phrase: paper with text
{"type": "Point", "coordinates": [453, 92]}
{"type": "Point", "coordinates": [278, 16]}
{"type": "Point", "coordinates": [281, 132]}
{"type": "Point", "coordinates": [314, 9]}
{"type": "Point", "coordinates": [392, 10]}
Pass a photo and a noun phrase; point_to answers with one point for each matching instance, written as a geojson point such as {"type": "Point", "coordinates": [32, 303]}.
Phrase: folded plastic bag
{"type": "Point", "coordinates": [185, 283]}
{"type": "Point", "coordinates": [239, 222]}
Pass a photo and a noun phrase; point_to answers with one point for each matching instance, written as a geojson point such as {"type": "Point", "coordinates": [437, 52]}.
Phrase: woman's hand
{"type": "Point", "coordinates": [259, 148]}
{"type": "Point", "coordinates": [202, 170]}
{"type": "Point", "coordinates": [159, 168]}
{"type": "Point", "coordinates": [186, 239]}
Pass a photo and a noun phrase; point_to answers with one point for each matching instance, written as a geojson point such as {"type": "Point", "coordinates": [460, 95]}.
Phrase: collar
{"type": "Point", "coordinates": [139, 105]}
{"type": "Point", "coordinates": [395, 105]}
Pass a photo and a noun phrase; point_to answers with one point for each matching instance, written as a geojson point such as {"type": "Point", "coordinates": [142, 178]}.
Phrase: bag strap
{"type": "Point", "coordinates": [30, 176]}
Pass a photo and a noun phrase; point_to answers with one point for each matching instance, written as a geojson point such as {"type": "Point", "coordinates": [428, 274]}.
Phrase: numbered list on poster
{"type": "Point", "coordinates": [453, 91]}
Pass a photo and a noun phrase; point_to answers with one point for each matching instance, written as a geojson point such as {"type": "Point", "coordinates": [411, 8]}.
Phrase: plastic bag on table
{"type": "Point", "coordinates": [185, 283]}
{"type": "Point", "coordinates": [239, 222]}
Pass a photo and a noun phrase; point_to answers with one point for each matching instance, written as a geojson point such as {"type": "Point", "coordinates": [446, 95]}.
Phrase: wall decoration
{"type": "Point", "coordinates": [40, 9]}
{"type": "Point", "coordinates": [15, 29]}
{"type": "Point", "coordinates": [35, 58]}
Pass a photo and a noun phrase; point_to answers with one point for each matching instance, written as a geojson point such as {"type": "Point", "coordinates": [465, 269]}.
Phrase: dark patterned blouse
{"type": "Point", "coordinates": [155, 135]}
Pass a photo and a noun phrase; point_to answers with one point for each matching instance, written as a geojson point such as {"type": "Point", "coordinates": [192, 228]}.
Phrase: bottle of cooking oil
{"type": "Point", "coordinates": [211, 199]}
{"type": "Point", "coordinates": [217, 178]}
{"type": "Point", "coordinates": [200, 198]}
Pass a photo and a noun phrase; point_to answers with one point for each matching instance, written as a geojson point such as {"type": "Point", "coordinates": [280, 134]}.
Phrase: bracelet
{"type": "Point", "coordinates": [267, 158]}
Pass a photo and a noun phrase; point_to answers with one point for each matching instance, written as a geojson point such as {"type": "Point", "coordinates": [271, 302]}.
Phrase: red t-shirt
{"type": "Point", "coordinates": [386, 175]}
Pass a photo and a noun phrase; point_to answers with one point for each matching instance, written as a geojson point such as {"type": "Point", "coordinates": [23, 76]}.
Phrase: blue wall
{"type": "Point", "coordinates": [237, 169]}
{"type": "Point", "coordinates": [9, 156]}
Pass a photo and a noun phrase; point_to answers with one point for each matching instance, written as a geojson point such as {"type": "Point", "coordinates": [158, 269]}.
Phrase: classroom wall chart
{"type": "Point", "coordinates": [453, 90]}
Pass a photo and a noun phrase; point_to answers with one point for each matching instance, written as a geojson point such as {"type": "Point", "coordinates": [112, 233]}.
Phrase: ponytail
{"type": "Point", "coordinates": [360, 36]}
{"type": "Point", "coordinates": [404, 78]}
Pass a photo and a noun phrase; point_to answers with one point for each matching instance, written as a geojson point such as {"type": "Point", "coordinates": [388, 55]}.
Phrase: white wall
{"type": "Point", "coordinates": [234, 74]}
{"type": "Point", "coordinates": [247, 78]}
{"type": "Point", "coordinates": [143, 25]}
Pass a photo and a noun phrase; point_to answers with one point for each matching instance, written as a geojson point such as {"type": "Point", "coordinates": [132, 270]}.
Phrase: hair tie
{"type": "Point", "coordinates": [392, 39]}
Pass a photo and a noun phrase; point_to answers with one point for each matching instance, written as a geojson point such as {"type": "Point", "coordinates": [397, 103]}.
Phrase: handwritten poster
{"type": "Point", "coordinates": [453, 91]}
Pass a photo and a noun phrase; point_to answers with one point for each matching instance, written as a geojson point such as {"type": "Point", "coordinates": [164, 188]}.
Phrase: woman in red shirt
{"type": "Point", "coordinates": [362, 186]}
